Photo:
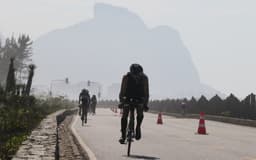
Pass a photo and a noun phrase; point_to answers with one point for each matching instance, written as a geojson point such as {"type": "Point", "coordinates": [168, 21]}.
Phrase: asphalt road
{"type": "Point", "coordinates": [174, 140]}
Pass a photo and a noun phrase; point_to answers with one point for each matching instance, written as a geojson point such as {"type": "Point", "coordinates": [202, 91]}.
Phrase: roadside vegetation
{"type": "Point", "coordinates": [19, 115]}
{"type": "Point", "coordinates": [20, 112]}
{"type": "Point", "coordinates": [229, 107]}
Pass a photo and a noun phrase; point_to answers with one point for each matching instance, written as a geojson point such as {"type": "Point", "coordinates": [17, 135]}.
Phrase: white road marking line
{"type": "Point", "coordinates": [85, 147]}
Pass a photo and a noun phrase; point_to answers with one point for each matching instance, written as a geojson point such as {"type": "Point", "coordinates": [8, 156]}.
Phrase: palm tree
{"type": "Point", "coordinates": [19, 48]}
{"type": "Point", "coordinates": [30, 78]}
{"type": "Point", "coordinates": [10, 81]}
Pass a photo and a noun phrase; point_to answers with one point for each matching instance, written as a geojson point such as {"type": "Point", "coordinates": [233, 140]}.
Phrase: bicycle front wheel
{"type": "Point", "coordinates": [129, 147]}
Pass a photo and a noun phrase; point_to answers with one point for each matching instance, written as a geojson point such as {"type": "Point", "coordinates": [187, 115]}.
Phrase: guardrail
{"type": "Point", "coordinates": [244, 122]}
{"type": "Point", "coordinates": [237, 121]}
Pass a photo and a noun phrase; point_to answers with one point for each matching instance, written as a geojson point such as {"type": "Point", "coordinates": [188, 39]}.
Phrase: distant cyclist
{"type": "Point", "coordinates": [84, 102]}
{"type": "Point", "coordinates": [134, 94]}
{"type": "Point", "coordinates": [93, 104]}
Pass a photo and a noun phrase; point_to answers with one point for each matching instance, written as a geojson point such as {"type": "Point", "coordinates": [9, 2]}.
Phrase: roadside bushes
{"type": "Point", "coordinates": [231, 106]}
{"type": "Point", "coordinates": [20, 112]}
{"type": "Point", "coordinates": [20, 115]}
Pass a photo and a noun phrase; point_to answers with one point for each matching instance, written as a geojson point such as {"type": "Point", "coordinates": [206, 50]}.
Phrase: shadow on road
{"type": "Point", "coordinates": [142, 157]}
{"type": "Point", "coordinates": [107, 115]}
{"type": "Point", "coordinates": [87, 125]}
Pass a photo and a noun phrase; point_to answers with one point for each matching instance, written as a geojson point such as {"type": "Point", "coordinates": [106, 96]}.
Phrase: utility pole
{"type": "Point", "coordinates": [90, 83]}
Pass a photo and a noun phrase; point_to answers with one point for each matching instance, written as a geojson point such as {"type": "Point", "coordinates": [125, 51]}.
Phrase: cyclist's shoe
{"type": "Point", "coordinates": [138, 133]}
{"type": "Point", "coordinates": [122, 140]}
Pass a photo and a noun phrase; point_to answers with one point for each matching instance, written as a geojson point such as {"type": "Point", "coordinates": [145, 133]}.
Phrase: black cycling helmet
{"type": "Point", "coordinates": [85, 90]}
{"type": "Point", "coordinates": [136, 68]}
{"type": "Point", "coordinates": [140, 69]}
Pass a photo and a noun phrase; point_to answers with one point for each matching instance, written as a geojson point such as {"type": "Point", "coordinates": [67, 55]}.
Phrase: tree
{"type": "Point", "coordinates": [249, 107]}
{"type": "Point", "coordinates": [202, 104]}
{"type": "Point", "coordinates": [233, 106]}
{"type": "Point", "coordinates": [6, 53]}
{"type": "Point", "coordinates": [216, 105]}
{"type": "Point", "coordinates": [24, 50]}
{"type": "Point", "coordinates": [20, 49]}
{"type": "Point", "coordinates": [1, 90]}
{"type": "Point", "coordinates": [192, 105]}
{"type": "Point", "coordinates": [10, 81]}
{"type": "Point", "coordinates": [30, 77]}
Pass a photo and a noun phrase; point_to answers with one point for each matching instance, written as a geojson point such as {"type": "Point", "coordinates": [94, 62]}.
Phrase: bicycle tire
{"type": "Point", "coordinates": [130, 134]}
{"type": "Point", "coordinates": [129, 140]}
{"type": "Point", "coordinates": [129, 147]}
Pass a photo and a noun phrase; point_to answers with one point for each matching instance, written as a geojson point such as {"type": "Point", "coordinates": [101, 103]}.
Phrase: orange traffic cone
{"type": "Point", "coordinates": [159, 119]}
{"type": "Point", "coordinates": [201, 127]}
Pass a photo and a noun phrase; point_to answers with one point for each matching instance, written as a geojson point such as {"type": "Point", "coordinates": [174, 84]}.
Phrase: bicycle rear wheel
{"type": "Point", "coordinates": [129, 147]}
{"type": "Point", "coordinates": [130, 130]}
{"type": "Point", "coordinates": [82, 119]}
{"type": "Point", "coordinates": [129, 140]}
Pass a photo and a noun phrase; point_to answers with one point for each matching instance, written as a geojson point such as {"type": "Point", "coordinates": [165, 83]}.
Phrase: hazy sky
{"type": "Point", "coordinates": [220, 34]}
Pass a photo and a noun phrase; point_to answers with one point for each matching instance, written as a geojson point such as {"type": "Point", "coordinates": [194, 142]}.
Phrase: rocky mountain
{"type": "Point", "coordinates": [103, 48]}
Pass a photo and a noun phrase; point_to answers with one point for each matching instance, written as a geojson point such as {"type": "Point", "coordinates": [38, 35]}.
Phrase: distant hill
{"type": "Point", "coordinates": [103, 48]}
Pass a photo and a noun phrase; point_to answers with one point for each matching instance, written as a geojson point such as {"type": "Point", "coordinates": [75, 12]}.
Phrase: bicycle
{"type": "Point", "coordinates": [84, 109]}
{"type": "Point", "coordinates": [130, 127]}
{"type": "Point", "coordinates": [130, 136]}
